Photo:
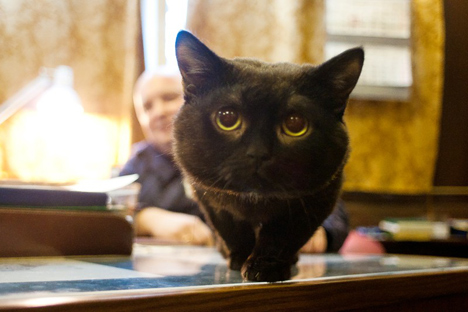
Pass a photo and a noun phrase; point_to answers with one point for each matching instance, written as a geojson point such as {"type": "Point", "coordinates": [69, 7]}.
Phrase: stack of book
{"type": "Point", "coordinates": [47, 220]}
{"type": "Point", "coordinates": [414, 229]}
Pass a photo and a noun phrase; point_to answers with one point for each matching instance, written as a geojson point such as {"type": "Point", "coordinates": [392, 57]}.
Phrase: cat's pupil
{"type": "Point", "coordinates": [228, 119]}
{"type": "Point", "coordinates": [295, 125]}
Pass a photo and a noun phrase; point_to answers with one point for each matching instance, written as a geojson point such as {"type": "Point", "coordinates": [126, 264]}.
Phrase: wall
{"type": "Point", "coordinates": [278, 30]}
{"type": "Point", "coordinates": [394, 144]}
{"type": "Point", "coordinates": [98, 40]}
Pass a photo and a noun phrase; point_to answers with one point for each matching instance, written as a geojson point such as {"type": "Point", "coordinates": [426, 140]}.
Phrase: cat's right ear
{"type": "Point", "coordinates": [339, 76]}
{"type": "Point", "coordinates": [198, 65]}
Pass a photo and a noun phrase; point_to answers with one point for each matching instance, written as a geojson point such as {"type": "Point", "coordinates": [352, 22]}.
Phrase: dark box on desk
{"type": "Point", "coordinates": [41, 232]}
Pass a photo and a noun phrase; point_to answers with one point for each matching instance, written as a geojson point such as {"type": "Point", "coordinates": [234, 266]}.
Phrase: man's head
{"type": "Point", "coordinates": [158, 96]}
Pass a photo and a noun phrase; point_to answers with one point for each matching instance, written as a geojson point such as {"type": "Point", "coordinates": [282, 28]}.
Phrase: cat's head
{"type": "Point", "coordinates": [253, 127]}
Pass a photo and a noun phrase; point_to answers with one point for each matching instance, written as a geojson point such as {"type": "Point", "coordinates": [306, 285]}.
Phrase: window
{"type": "Point", "coordinates": [383, 28]}
{"type": "Point", "coordinates": [161, 21]}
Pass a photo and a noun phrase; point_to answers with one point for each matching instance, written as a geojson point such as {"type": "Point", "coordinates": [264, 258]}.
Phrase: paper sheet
{"type": "Point", "coordinates": [21, 270]}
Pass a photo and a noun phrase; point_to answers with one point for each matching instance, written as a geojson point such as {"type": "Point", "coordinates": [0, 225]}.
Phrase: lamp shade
{"type": "Point", "coordinates": [60, 98]}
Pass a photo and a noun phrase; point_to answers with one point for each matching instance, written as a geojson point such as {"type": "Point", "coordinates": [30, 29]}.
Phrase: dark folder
{"type": "Point", "coordinates": [37, 197]}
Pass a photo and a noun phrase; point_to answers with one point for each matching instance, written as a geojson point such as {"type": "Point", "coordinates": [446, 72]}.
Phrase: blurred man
{"type": "Point", "coordinates": [164, 211]}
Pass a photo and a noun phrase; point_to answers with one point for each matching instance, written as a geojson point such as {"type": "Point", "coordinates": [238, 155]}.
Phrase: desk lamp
{"type": "Point", "coordinates": [54, 87]}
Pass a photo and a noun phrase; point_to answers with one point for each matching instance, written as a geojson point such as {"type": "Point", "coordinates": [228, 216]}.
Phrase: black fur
{"type": "Point", "coordinates": [263, 192]}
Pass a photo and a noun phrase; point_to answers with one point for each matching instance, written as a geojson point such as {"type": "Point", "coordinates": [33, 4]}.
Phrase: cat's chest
{"type": "Point", "coordinates": [256, 208]}
{"type": "Point", "coordinates": [252, 207]}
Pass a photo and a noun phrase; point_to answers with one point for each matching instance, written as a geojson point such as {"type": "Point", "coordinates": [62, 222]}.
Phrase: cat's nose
{"type": "Point", "coordinates": [258, 152]}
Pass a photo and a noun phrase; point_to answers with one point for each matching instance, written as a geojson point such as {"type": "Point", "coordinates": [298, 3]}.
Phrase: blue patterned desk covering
{"type": "Point", "coordinates": [160, 268]}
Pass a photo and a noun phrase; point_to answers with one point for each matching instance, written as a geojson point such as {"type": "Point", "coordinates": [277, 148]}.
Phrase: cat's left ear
{"type": "Point", "coordinates": [340, 74]}
{"type": "Point", "coordinates": [198, 65]}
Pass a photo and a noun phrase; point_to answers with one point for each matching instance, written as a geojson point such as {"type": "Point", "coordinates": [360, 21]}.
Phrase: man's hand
{"type": "Point", "coordinates": [179, 227]}
{"type": "Point", "coordinates": [317, 243]}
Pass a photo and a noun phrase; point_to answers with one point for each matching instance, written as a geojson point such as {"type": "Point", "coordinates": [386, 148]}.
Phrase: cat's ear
{"type": "Point", "coordinates": [198, 65]}
{"type": "Point", "coordinates": [339, 76]}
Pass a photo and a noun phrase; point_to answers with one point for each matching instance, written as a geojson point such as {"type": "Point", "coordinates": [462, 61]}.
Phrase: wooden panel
{"type": "Point", "coordinates": [367, 209]}
{"type": "Point", "coordinates": [452, 164]}
{"type": "Point", "coordinates": [41, 232]}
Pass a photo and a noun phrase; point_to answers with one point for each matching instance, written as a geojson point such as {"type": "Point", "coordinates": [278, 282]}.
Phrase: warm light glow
{"type": "Point", "coordinates": [60, 100]}
{"type": "Point", "coordinates": [42, 149]}
{"type": "Point", "coordinates": [3, 173]}
{"type": "Point", "coordinates": [58, 142]}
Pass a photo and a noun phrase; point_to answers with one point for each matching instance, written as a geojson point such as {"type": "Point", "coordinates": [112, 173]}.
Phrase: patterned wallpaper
{"type": "Point", "coordinates": [98, 40]}
{"type": "Point", "coordinates": [278, 30]}
{"type": "Point", "coordinates": [394, 144]}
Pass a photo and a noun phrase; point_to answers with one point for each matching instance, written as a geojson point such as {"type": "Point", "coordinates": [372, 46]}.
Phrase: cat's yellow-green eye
{"type": "Point", "coordinates": [295, 125]}
{"type": "Point", "coordinates": [228, 119]}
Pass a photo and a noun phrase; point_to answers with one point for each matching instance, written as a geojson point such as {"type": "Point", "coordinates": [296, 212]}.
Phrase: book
{"type": "Point", "coordinates": [86, 218]}
{"type": "Point", "coordinates": [85, 195]}
{"type": "Point", "coordinates": [414, 229]}
{"type": "Point", "coordinates": [459, 227]}
{"type": "Point", "coordinates": [41, 197]}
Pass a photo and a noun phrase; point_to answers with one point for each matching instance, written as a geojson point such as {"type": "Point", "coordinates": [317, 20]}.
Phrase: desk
{"type": "Point", "coordinates": [183, 278]}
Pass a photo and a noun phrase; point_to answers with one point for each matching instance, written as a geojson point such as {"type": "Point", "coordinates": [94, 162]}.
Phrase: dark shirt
{"type": "Point", "coordinates": [161, 186]}
{"type": "Point", "coordinates": [160, 180]}
{"type": "Point", "coordinates": [337, 227]}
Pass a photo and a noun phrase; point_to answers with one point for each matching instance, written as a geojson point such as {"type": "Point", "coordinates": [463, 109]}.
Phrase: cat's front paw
{"type": "Point", "coordinates": [236, 261]}
{"type": "Point", "coordinates": [266, 269]}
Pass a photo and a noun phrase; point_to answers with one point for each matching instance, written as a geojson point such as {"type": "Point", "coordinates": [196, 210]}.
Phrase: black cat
{"type": "Point", "coordinates": [263, 146]}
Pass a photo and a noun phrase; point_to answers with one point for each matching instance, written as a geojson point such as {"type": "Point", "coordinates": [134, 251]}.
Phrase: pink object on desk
{"type": "Point", "coordinates": [357, 243]}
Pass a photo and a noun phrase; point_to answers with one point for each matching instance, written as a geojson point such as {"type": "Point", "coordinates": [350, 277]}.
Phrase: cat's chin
{"type": "Point", "coordinates": [255, 195]}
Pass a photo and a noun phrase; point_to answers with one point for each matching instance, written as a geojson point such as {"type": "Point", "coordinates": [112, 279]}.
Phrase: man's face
{"type": "Point", "coordinates": [156, 102]}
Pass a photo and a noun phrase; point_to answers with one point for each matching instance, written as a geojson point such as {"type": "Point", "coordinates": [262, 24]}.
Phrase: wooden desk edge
{"type": "Point", "coordinates": [329, 294]}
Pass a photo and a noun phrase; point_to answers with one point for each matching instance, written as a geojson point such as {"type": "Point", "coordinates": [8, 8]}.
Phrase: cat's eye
{"type": "Point", "coordinates": [295, 125]}
{"type": "Point", "coordinates": [228, 119]}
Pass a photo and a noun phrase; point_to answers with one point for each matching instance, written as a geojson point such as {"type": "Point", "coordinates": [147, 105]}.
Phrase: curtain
{"type": "Point", "coordinates": [98, 40]}
{"type": "Point", "coordinates": [278, 30]}
{"type": "Point", "coordinates": [394, 144]}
